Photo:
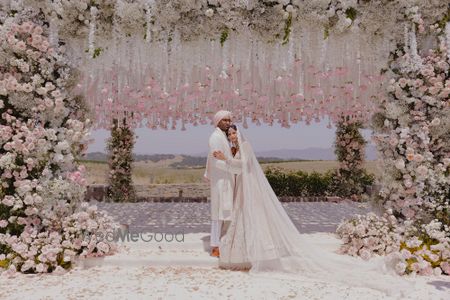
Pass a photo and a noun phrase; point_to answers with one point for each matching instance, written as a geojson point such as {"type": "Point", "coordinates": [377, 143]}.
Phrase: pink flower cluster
{"type": "Point", "coordinates": [368, 235]}
{"type": "Point", "coordinates": [56, 248]}
{"type": "Point", "coordinates": [41, 184]}
{"type": "Point", "coordinates": [425, 251]}
{"type": "Point", "coordinates": [413, 139]}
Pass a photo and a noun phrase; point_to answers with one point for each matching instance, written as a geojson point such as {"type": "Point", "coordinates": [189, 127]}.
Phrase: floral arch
{"type": "Point", "coordinates": [163, 64]}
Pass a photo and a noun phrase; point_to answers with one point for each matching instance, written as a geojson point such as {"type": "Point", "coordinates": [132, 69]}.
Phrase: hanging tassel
{"type": "Point", "coordinates": [447, 37]}
{"type": "Point", "coordinates": [149, 4]}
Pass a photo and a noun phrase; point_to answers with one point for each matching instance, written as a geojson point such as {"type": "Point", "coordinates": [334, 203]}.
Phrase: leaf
{"type": "Point", "coordinates": [4, 263]}
{"type": "Point", "coordinates": [97, 52]}
{"type": "Point", "coordinates": [223, 36]}
{"type": "Point", "coordinates": [351, 13]}
{"type": "Point", "coordinates": [287, 29]}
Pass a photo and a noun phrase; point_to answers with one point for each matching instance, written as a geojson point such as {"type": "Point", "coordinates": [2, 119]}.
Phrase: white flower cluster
{"type": "Point", "coordinates": [208, 18]}
{"type": "Point", "coordinates": [55, 249]}
{"type": "Point", "coordinates": [368, 235]}
{"type": "Point", "coordinates": [425, 251]}
{"type": "Point", "coordinates": [416, 149]}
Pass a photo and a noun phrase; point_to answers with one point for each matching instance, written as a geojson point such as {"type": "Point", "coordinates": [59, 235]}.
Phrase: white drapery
{"type": "Point", "coordinates": [171, 83]}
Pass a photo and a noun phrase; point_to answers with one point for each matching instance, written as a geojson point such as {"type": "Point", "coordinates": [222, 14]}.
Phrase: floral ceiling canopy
{"type": "Point", "coordinates": [171, 63]}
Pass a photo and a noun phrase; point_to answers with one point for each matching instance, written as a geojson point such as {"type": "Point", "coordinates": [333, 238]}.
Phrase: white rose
{"type": "Point", "coordinates": [436, 122]}
{"type": "Point", "coordinates": [28, 200]}
{"type": "Point", "coordinates": [400, 268]}
{"type": "Point", "coordinates": [365, 254]}
{"type": "Point", "coordinates": [446, 161]}
{"type": "Point", "coordinates": [290, 8]}
{"type": "Point", "coordinates": [209, 12]}
{"type": "Point", "coordinates": [400, 164]}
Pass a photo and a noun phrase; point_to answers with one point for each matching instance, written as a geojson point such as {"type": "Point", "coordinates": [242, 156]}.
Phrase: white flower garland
{"type": "Point", "coordinates": [447, 37]}
{"type": "Point", "coordinates": [148, 18]}
{"type": "Point", "coordinates": [93, 13]}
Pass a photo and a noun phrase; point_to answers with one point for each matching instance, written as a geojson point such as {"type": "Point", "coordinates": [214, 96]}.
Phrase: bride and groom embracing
{"type": "Point", "coordinates": [250, 230]}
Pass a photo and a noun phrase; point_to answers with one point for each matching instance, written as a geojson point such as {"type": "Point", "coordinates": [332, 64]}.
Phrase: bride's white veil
{"type": "Point", "coordinates": [275, 245]}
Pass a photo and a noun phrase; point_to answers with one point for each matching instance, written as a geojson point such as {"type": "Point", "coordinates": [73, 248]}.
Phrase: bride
{"type": "Point", "coordinates": [262, 238]}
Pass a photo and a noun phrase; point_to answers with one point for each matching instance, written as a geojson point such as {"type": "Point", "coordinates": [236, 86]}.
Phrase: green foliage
{"type": "Point", "coordinates": [302, 184]}
{"type": "Point", "coordinates": [346, 185]}
{"type": "Point", "coordinates": [287, 29]}
{"type": "Point", "coordinates": [350, 179]}
{"type": "Point", "coordinates": [351, 13]}
{"type": "Point", "coordinates": [223, 36]}
{"type": "Point", "coordinates": [326, 32]}
{"type": "Point", "coordinates": [97, 52]}
{"type": "Point", "coordinates": [444, 20]}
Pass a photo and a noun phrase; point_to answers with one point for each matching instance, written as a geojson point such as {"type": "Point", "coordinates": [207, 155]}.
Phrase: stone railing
{"type": "Point", "coordinates": [184, 193]}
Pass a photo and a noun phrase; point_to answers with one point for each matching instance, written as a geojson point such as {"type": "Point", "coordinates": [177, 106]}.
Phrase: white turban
{"type": "Point", "coordinates": [221, 114]}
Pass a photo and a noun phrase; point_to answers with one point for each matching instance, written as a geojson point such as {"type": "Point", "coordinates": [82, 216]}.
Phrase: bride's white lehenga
{"type": "Point", "coordinates": [233, 248]}
{"type": "Point", "coordinates": [261, 237]}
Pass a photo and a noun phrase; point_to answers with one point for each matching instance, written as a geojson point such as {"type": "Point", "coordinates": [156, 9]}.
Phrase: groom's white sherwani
{"type": "Point", "coordinates": [221, 176]}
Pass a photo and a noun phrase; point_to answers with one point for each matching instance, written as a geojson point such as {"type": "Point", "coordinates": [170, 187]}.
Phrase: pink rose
{"type": "Point", "coordinates": [434, 90]}
{"type": "Point", "coordinates": [402, 82]}
{"type": "Point", "coordinates": [428, 271]}
{"type": "Point", "coordinates": [21, 46]}
{"type": "Point", "coordinates": [37, 30]}
{"type": "Point", "coordinates": [408, 212]}
{"type": "Point", "coordinates": [3, 223]}
{"type": "Point", "coordinates": [27, 27]}
{"type": "Point", "coordinates": [445, 266]}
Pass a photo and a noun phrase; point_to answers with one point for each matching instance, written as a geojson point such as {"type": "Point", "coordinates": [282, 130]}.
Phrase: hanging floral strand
{"type": "Point", "coordinates": [93, 12]}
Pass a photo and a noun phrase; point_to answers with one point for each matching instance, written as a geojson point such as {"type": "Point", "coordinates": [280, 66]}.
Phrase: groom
{"type": "Point", "coordinates": [220, 178]}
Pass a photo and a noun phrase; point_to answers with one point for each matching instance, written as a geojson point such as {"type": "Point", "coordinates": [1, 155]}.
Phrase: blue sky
{"type": "Point", "coordinates": [195, 139]}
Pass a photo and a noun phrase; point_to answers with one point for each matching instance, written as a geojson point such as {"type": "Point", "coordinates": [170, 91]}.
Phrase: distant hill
{"type": "Point", "coordinates": [100, 156]}
{"type": "Point", "coordinates": [312, 153]}
{"type": "Point", "coordinates": [97, 156]}
{"type": "Point", "coordinates": [199, 160]}
{"type": "Point", "coordinates": [187, 161]}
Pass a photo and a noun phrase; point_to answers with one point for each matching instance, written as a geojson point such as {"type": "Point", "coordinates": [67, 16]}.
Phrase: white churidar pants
{"type": "Point", "coordinates": [216, 230]}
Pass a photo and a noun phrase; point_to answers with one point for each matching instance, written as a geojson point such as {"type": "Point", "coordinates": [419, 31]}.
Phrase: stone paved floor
{"type": "Point", "coordinates": [309, 217]}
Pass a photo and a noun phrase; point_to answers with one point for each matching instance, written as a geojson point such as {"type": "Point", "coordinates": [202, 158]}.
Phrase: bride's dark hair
{"type": "Point", "coordinates": [232, 126]}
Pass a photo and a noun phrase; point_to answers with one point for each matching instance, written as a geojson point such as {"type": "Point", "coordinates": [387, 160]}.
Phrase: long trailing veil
{"type": "Point", "coordinates": [274, 244]}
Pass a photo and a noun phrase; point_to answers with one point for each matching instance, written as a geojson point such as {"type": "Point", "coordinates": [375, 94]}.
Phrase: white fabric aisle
{"type": "Point", "coordinates": [184, 270]}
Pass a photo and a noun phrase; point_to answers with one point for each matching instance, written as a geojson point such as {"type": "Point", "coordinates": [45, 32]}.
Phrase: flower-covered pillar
{"type": "Point", "coordinates": [412, 133]}
{"type": "Point", "coordinates": [43, 131]}
{"type": "Point", "coordinates": [120, 148]}
{"type": "Point", "coordinates": [351, 178]}
{"type": "Point", "coordinates": [413, 130]}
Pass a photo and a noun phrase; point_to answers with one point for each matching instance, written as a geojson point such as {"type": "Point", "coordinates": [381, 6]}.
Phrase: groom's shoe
{"type": "Point", "coordinates": [215, 252]}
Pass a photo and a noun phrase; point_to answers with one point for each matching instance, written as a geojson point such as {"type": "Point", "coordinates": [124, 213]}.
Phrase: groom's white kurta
{"type": "Point", "coordinates": [221, 176]}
